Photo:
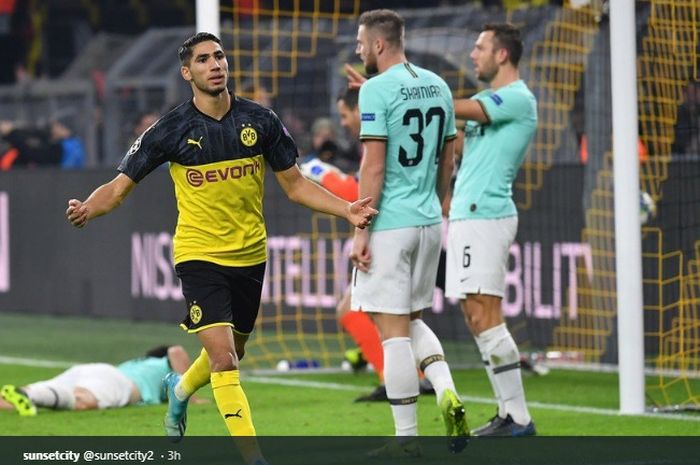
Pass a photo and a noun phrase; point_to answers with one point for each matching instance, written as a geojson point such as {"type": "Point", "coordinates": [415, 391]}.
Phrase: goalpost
{"type": "Point", "coordinates": [628, 243]}
{"type": "Point", "coordinates": [208, 17]}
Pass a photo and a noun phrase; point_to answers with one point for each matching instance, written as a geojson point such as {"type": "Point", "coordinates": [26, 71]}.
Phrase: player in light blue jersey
{"type": "Point", "coordinates": [100, 385]}
{"type": "Point", "coordinates": [501, 122]}
{"type": "Point", "coordinates": [407, 132]}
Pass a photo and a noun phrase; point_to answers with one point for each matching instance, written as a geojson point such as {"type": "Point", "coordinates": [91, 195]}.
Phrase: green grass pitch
{"type": "Point", "coordinates": [562, 403]}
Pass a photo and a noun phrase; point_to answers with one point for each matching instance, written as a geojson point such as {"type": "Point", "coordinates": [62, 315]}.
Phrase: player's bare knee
{"type": "Point", "coordinates": [341, 310]}
{"type": "Point", "coordinates": [480, 326]}
{"type": "Point", "coordinates": [223, 361]}
{"type": "Point", "coordinates": [391, 326]}
{"type": "Point", "coordinates": [482, 312]}
{"type": "Point", "coordinates": [84, 399]}
{"type": "Point", "coordinates": [474, 322]}
{"type": "Point", "coordinates": [473, 306]}
{"type": "Point", "coordinates": [480, 323]}
{"type": "Point", "coordinates": [343, 306]}
{"type": "Point", "coordinates": [84, 405]}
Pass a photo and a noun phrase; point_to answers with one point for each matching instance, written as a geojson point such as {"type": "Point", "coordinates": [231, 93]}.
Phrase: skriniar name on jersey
{"type": "Point", "coordinates": [420, 92]}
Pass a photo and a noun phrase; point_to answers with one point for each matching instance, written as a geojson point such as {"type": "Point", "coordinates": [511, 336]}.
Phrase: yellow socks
{"type": "Point", "coordinates": [232, 403]}
{"type": "Point", "coordinates": [196, 376]}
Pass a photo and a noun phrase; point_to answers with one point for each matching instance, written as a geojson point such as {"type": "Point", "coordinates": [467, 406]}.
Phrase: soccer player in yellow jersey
{"type": "Point", "coordinates": [217, 145]}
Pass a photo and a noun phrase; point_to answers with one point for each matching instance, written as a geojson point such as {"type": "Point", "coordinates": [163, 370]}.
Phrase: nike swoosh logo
{"type": "Point", "coordinates": [463, 279]}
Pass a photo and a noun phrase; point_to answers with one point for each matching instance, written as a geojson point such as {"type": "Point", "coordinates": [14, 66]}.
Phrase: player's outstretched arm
{"type": "Point", "coordinates": [371, 182]}
{"type": "Point", "coordinates": [178, 359]}
{"type": "Point", "coordinates": [470, 110]}
{"type": "Point", "coordinates": [445, 169]}
{"type": "Point", "coordinates": [310, 194]}
{"type": "Point", "coordinates": [355, 79]}
{"type": "Point", "coordinates": [103, 200]}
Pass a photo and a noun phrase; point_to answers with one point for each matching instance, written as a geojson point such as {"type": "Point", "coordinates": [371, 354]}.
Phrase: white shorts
{"type": "Point", "coordinates": [110, 386]}
{"type": "Point", "coordinates": [401, 276]}
{"type": "Point", "coordinates": [477, 256]}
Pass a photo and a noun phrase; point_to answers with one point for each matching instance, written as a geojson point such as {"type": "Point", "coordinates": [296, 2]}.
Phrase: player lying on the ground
{"type": "Point", "coordinates": [100, 385]}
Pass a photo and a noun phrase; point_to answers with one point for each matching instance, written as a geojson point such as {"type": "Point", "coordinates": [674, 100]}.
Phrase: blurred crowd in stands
{"type": "Point", "coordinates": [687, 140]}
{"type": "Point", "coordinates": [39, 39]}
{"type": "Point", "coordinates": [34, 146]}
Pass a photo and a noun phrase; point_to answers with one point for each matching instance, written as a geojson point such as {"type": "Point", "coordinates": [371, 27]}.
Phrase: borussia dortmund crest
{"type": "Point", "coordinates": [195, 313]}
{"type": "Point", "coordinates": [249, 136]}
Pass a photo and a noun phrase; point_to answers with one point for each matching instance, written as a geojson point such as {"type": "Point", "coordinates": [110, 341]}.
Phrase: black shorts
{"type": "Point", "coordinates": [218, 295]}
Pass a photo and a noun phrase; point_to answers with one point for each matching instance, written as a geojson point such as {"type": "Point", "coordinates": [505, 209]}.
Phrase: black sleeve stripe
{"type": "Point", "coordinates": [279, 168]}
{"type": "Point", "coordinates": [483, 107]}
{"type": "Point", "coordinates": [123, 171]}
{"type": "Point", "coordinates": [370, 137]}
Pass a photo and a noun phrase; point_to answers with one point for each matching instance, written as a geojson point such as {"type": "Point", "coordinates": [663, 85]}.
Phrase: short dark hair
{"type": "Point", "coordinates": [507, 36]}
{"type": "Point", "coordinates": [158, 352]}
{"type": "Point", "coordinates": [350, 97]}
{"type": "Point", "coordinates": [185, 51]}
{"type": "Point", "coordinates": [388, 22]}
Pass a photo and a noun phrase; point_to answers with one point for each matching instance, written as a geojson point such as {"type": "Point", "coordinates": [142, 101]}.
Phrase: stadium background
{"type": "Point", "coordinates": [96, 65]}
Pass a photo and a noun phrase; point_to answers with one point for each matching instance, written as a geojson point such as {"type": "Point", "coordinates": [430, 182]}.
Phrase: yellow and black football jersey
{"type": "Point", "coordinates": [218, 168]}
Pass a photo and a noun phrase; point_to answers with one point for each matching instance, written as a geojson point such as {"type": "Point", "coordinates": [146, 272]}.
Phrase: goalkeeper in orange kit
{"type": "Point", "coordinates": [358, 324]}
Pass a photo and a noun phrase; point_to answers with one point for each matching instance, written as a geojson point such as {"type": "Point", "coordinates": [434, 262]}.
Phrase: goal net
{"type": "Point", "coordinates": [561, 302]}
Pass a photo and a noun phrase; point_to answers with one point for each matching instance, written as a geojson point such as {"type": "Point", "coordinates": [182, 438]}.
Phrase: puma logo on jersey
{"type": "Point", "coordinates": [237, 414]}
{"type": "Point", "coordinates": [197, 142]}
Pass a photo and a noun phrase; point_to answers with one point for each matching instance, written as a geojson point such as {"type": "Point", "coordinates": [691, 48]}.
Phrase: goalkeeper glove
{"type": "Point", "coordinates": [316, 169]}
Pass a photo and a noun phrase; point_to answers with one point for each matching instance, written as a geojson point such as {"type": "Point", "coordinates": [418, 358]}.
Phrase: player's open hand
{"type": "Point", "coordinates": [77, 213]}
{"type": "Point", "coordinates": [360, 214]}
{"type": "Point", "coordinates": [355, 78]}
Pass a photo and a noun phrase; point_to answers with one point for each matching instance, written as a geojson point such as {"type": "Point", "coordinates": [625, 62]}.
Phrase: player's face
{"type": "Point", "coordinates": [484, 57]}
{"type": "Point", "coordinates": [349, 118]}
{"type": "Point", "coordinates": [208, 68]}
{"type": "Point", "coordinates": [364, 50]}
